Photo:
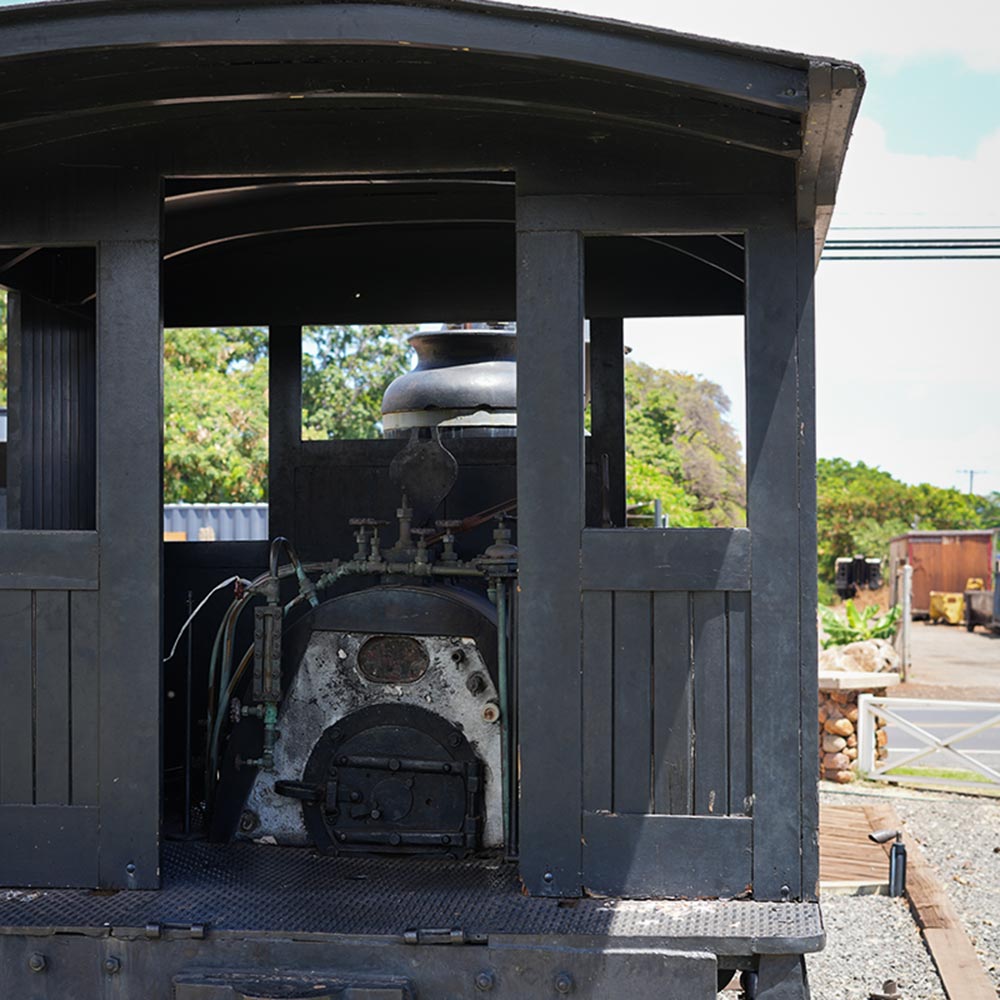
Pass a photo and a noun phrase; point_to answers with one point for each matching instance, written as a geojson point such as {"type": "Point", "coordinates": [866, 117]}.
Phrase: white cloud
{"type": "Point", "coordinates": [908, 352]}
{"type": "Point", "coordinates": [908, 365]}
{"type": "Point", "coordinates": [908, 356]}
{"type": "Point", "coordinates": [879, 187]}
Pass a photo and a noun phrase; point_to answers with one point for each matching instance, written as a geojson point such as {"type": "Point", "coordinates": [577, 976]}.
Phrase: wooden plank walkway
{"type": "Point", "coordinates": [850, 862]}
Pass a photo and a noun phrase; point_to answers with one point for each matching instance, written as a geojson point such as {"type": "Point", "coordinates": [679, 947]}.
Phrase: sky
{"type": "Point", "coordinates": [908, 353]}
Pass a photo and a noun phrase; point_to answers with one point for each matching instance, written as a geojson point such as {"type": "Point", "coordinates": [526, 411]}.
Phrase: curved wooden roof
{"type": "Point", "coordinates": [310, 94]}
{"type": "Point", "coordinates": [107, 62]}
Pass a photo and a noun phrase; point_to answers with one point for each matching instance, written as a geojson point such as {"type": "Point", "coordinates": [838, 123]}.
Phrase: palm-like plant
{"type": "Point", "coordinates": [859, 625]}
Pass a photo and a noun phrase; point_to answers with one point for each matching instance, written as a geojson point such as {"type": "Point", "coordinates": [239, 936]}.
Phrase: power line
{"type": "Point", "coordinates": [891, 241]}
{"type": "Point", "coordinates": [886, 229]}
{"type": "Point", "coordinates": [952, 256]}
{"type": "Point", "coordinates": [892, 248]}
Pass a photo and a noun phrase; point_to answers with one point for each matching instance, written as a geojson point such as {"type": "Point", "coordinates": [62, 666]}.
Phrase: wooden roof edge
{"type": "Point", "coordinates": [766, 79]}
{"type": "Point", "coordinates": [553, 15]}
{"type": "Point", "coordinates": [835, 92]}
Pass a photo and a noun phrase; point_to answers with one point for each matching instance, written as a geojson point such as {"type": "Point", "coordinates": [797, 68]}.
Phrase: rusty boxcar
{"type": "Point", "coordinates": [941, 560]}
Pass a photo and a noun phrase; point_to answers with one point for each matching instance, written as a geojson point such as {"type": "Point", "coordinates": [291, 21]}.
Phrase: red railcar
{"type": "Point", "coordinates": [941, 560]}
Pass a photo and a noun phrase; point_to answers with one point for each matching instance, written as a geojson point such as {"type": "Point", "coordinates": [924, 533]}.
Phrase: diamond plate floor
{"type": "Point", "coordinates": [248, 887]}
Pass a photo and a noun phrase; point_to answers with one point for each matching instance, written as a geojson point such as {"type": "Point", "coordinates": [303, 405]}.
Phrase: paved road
{"type": "Point", "coordinates": [948, 655]}
{"type": "Point", "coordinates": [943, 724]}
{"type": "Point", "coordinates": [952, 664]}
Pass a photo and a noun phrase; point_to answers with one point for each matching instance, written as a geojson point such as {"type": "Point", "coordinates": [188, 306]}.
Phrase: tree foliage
{"type": "Point", "coordinates": [215, 415]}
{"type": "Point", "coordinates": [861, 507]}
{"type": "Point", "coordinates": [345, 372]}
{"type": "Point", "coordinates": [681, 449]}
{"type": "Point", "coordinates": [858, 626]}
{"type": "Point", "coordinates": [216, 401]}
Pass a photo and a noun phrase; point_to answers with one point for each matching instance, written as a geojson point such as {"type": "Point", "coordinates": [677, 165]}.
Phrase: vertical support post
{"type": "Point", "coordinates": [778, 438]}
{"type": "Point", "coordinates": [866, 736]}
{"type": "Point", "coordinates": [130, 522]}
{"type": "Point", "coordinates": [906, 623]}
{"type": "Point", "coordinates": [284, 351]}
{"type": "Point", "coordinates": [805, 340]}
{"type": "Point", "coordinates": [782, 977]}
{"type": "Point", "coordinates": [607, 408]}
{"type": "Point", "coordinates": [550, 492]}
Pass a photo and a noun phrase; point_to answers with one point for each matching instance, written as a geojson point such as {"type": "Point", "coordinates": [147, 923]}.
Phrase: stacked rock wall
{"type": "Point", "coordinates": [838, 724]}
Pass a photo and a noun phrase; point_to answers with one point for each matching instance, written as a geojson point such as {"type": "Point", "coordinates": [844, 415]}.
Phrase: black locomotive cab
{"type": "Point", "coordinates": [453, 699]}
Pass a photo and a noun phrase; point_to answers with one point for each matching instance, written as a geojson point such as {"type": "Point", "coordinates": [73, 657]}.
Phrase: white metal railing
{"type": "Point", "coordinates": [871, 707]}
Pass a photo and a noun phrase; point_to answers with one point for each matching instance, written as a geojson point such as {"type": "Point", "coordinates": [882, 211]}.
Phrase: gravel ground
{"type": "Point", "coordinates": [874, 938]}
{"type": "Point", "coordinates": [960, 836]}
{"type": "Point", "coordinates": [871, 939]}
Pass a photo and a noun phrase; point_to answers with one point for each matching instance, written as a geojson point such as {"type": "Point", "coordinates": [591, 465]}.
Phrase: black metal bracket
{"type": "Point", "coordinates": [443, 935]}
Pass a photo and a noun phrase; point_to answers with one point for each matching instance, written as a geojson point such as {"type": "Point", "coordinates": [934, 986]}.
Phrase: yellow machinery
{"type": "Point", "coordinates": [947, 606]}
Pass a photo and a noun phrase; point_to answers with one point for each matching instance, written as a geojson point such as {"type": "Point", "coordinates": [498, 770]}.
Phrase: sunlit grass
{"type": "Point", "coordinates": [945, 773]}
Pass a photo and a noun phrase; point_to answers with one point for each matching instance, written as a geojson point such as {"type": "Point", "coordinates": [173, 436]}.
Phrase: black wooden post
{"type": "Point", "coordinates": [776, 520]}
{"type": "Point", "coordinates": [130, 523]}
{"type": "Point", "coordinates": [550, 486]}
{"type": "Point", "coordinates": [607, 408]}
{"type": "Point", "coordinates": [284, 381]}
{"type": "Point", "coordinates": [805, 273]}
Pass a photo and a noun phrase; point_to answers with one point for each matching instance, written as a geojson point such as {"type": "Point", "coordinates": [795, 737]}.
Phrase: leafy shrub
{"type": "Point", "coordinates": [859, 625]}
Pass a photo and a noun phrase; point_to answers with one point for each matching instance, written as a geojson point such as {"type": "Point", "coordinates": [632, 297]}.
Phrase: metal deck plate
{"type": "Point", "coordinates": [257, 888]}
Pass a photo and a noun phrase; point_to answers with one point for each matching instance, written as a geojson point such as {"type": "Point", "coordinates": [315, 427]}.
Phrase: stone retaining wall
{"type": "Point", "coordinates": [838, 722]}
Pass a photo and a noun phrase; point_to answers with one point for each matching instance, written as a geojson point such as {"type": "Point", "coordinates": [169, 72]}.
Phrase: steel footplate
{"type": "Point", "coordinates": [252, 887]}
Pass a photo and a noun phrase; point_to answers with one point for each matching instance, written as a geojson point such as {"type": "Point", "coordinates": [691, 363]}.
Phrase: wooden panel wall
{"type": "Point", "coordinates": [942, 562]}
{"type": "Point", "coordinates": [665, 703]}
{"type": "Point", "coordinates": [80, 635]}
{"type": "Point", "coordinates": [52, 418]}
{"type": "Point", "coordinates": [48, 648]}
{"type": "Point", "coordinates": [48, 741]}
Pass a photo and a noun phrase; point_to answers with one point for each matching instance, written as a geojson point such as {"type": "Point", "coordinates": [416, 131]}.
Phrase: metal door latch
{"type": "Point", "coordinates": [195, 931]}
{"type": "Point", "coordinates": [442, 935]}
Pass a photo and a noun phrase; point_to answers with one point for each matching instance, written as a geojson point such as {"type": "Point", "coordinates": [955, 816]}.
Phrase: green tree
{"type": "Point", "coordinates": [861, 507]}
{"type": "Point", "coordinates": [709, 449]}
{"type": "Point", "coordinates": [215, 415]}
{"type": "Point", "coordinates": [681, 449]}
{"type": "Point", "coordinates": [216, 403]}
{"type": "Point", "coordinates": [345, 372]}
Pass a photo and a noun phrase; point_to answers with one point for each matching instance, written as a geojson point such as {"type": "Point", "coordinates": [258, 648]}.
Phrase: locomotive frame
{"type": "Point", "coordinates": [512, 142]}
